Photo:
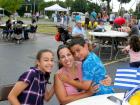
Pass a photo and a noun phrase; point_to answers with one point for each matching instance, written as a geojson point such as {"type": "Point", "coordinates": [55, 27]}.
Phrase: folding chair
{"type": "Point", "coordinates": [4, 91]}
{"type": "Point", "coordinates": [122, 43]}
{"type": "Point", "coordinates": [106, 43]}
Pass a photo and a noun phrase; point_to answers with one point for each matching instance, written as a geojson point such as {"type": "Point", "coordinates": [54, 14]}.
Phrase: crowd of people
{"type": "Point", "coordinates": [17, 29]}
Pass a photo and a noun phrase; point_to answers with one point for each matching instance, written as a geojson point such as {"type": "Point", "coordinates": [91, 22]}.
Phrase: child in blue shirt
{"type": "Point", "coordinates": [92, 68]}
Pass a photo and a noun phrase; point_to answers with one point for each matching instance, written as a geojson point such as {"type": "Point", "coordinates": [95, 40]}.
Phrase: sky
{"type": "Point", "coordinates": [115, 4]}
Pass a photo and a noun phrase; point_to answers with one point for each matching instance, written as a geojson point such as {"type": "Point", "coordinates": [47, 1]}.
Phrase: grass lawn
{"type": "Point", "coordinates": [47, 29]}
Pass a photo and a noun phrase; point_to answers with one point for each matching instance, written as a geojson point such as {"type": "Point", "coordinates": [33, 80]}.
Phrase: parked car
{"type": "Point", "coordinates": [79, 13]}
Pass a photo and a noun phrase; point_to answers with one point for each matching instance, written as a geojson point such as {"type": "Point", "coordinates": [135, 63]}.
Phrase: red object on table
{"type": "Point", "coordinates": [119, 21]}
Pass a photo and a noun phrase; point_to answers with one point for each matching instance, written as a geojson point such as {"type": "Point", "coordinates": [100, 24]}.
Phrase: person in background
{"type": "Point", "coordinates": [67, 19]}
{"type": "Point", "coordinates": [30, 89]}
{"type": "Point", "coordinates": [134, 29]}
{"type": "Point", "coordinates": [77, 17]}
{"type": "Point", "coordinates": [105, 16]}
{"type": "Point", "coordinates": [8, 30]}
{"type": "Point", "coordinates": [112, 18]}
{"type": "Point", "coordinates": [100, 27]}
{"type": "Point", "coordinates": [86, 20]}
{"type": "Point", "coordinates": [93, 70]}
{"type": "Point", "coordinates": [134, 51]}
{"type": "Point", "coordinates": [33, 19]}
{"type": "Point", "coordinates": [93, 17]}
{"type": "Point", "coordinates": [62, 18]}
{"type": "Point", "coordinates": [72, 69]}
{"type": "Point", "coordinates": [9, 23]}
{"type": "Point", "coordinates": [37, 16]}
{"type": "Point", "coordinates": [78, 30]}
{"type": "Point", "coordinates": [127, 16]}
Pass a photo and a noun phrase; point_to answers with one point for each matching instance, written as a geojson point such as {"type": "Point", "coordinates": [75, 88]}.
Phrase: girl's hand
{"type": "Point", "coordinates": [107, 81]}
{"type": "Point", "coordinates": [63, 77]}
{"type": "Point", "coordinates": [125, 51]}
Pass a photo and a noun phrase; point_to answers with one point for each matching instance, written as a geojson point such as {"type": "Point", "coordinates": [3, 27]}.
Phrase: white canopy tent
{"type": "Point", "coordinates": [55, 7]}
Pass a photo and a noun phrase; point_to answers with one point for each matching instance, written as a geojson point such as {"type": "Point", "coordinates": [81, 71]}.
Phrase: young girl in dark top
{"type": "Point", "coordinates": [30, 88]}
{"type": "Point", "coordinates": [134, 51]}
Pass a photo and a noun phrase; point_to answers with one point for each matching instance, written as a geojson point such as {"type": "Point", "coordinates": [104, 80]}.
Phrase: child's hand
{"type": "Point", "coordinates": [107, 81]}
{"type": "Point", "coordinates": [63, 77]}
{"type": "Point", "coordinates": [124, 51]}
{"type": "Point", "coordinates": [93, 89]}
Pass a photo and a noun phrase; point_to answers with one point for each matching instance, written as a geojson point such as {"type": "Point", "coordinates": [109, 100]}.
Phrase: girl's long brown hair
{"type": "Point", "coordinates": [135, 43]}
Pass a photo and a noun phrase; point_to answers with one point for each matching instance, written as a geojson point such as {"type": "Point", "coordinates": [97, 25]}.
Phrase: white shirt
{"type": "Point", "coordinates": [79, 31]}
{"type": "Point", "coordinates": [134, 56]}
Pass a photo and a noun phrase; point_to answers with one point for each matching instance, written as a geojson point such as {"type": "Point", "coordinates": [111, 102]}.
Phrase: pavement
{"type": "Point", "coordinates": [17, 58]}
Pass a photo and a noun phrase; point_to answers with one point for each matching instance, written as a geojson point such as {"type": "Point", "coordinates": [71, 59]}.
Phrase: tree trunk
{"type": "Point", "coordinates": [108, 6]}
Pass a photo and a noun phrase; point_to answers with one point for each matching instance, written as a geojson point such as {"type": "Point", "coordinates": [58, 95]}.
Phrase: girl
{"type": "Point", "coordinates": [30, 88]}
{"type": "Point", "coordinates": [134, 51]}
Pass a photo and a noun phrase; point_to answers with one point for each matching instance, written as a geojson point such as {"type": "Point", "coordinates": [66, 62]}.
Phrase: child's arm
{"type": "Point", "coordinates": [17, 89]}
{"type": "Point", "coordinates": [49, 94]}
{"type": "Point", "coordinates": [84, 85]}
{"type": "Point", "coordinates": [62, 95]}
{"type": "Point", "coordinates": [126, 49]}
{"type": "Point", "coordinates": [107, 81]}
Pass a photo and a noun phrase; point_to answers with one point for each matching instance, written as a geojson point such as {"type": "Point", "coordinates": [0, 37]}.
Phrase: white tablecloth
{"type": "Point", "coordinates": [109, 34]}
{"type": "Point", "coordinates": [97, 100]}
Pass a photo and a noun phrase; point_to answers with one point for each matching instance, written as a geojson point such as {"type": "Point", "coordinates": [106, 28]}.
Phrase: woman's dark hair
{"type": "Point", "coordinates": [135, 43]}
{"type": "Point", "coordinates": [58, 50]}
{"type": "Point", "coordinates": [39, 54]}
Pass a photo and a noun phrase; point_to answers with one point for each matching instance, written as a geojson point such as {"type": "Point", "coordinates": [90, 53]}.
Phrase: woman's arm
{"type": "Point", "coordinates": [62, 96]}
{"type": "Point", "coordinates": [49, 94]}
{"type": "Point", "coordinates": [84, 85]}
{"type": "Point", "coordinates": [17, 89]}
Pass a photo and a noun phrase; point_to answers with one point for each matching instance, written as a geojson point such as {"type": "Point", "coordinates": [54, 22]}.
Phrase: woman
{"type": "Point", "coordinates": [72, 69]}
{"type": "Point", "coordinates": [65, 92]}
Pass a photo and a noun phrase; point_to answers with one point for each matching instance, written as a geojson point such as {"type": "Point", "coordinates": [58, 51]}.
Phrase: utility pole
{"type": "Point", "coordinates": [34, 7]}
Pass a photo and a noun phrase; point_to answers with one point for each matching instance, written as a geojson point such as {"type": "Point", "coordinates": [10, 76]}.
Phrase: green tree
{"type": "Point", "coordinates": [124, 1]}
{"type": "Point", "coordinates": [69, 3]}
{"type": "Point", "coordinates": [11, 5]}
{"type": "Point", "coordinates": [137, 12]}
{"type": "Point", "coordinates": [121, 2]}
{"type": "Point", "coordinates": [108, 5]}
{"type": "Point", "coordinates": [90, 7]}
{"type": "Point", "coordinates": [79, 5]}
